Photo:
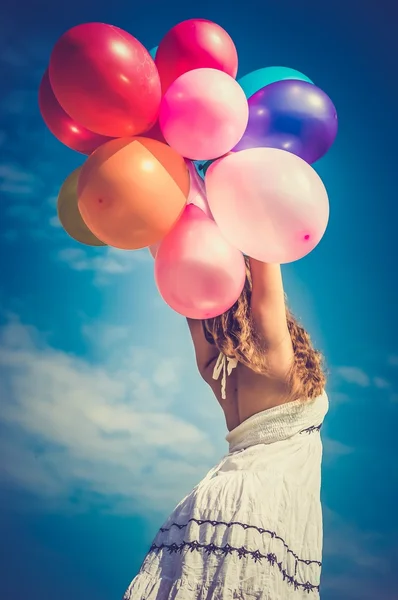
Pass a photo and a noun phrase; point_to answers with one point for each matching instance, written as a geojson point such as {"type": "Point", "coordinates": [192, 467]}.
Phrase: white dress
{"type": "Point", "coordinates": [252, 528]}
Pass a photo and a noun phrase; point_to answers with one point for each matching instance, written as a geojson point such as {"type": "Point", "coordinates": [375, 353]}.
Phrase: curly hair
{"type": "Point", "coordinates": [234, 335]}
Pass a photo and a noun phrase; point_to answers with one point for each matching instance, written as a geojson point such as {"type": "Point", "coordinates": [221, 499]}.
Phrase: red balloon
{"type": "Point", "coordinates": [195, 44]}
{"type": "Point", "coordinates": [106, 80]}
{"type": "Point", "coordinates": [65, 129]}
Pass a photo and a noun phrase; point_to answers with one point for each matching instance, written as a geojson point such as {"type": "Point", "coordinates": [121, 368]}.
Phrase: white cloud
{"type": "Point", "coordinates": [52, 201]}
{"type": "Point", "coordinates": [28, 212]}
{"type": "Point", "coordinates": [356, 560]}
{"type": "Point", "coordinates": [55, 222]}
{"type": "Point", "coordinates": [381, 383]}
{"type": "Point", "coordinates": [40, 222]}
{"type": "Point", "coordinates": [337, 398]}
{"type": "Point", "coordinates": [358, 377]}
{"type": "Point", "coordinates": [334, 449]}
{"type": "Point", "coordinates": [115, 427]}
{"type": "Point", "coordinates": [347, 542]}
{"type": "Point", "coordinates": [14, 173]}
{"type": "Point", "coordinates": [12, 58]}
{"type": "Point", "coordinates": [393, 360]}
{"type": "Point", "coordinates": [353, 375]}
{"type": "Point", "coordinates": [19, 102]}
{"type": "Point", "coordinates": [105, 335]}
{"type": "Point", "coordinates": [15, 55]}
{"type": "Point", "coordinates": [16, 181]}
{"type": "Point", "coordinates": [113, 430]}
{"type": "Point", "coordinates": [358, 586]}
{"type": "Point", "coordinates": [165, 374]}
{"type": "Point", "coordinates": [10, 235]}
{"type": "Point", "coordinates": [103, 261]}
{"type": "Point", "coordinates": [104, 428]}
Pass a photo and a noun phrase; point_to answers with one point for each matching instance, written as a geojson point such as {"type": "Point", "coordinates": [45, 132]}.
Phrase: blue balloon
{"type": "Point", "coordinates": [255, 81]}
{"type": "Point", "coordinates": [153, 52]}
{"type": "Point", "coordinates": [201, 166]}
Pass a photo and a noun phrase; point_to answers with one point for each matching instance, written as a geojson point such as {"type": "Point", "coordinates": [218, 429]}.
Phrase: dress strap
{"type": "Point", "coordinates": [224, 366]}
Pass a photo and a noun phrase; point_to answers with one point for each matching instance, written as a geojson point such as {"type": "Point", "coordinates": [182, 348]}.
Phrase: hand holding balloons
{"type": "Point", "coordinates": [198, 273]}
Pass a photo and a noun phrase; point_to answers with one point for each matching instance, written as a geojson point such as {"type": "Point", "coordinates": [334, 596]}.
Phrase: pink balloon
{"type": "Point", "coordinates": [65, 129]}
{"type": "Point", "coordinates": [197, 191]}
{"type": "Point", "coordinates": [269, 203]}
{"type": "Point", "coordinates": [198, 273]}
{"type": "Point", "coordinates": [203, 114]}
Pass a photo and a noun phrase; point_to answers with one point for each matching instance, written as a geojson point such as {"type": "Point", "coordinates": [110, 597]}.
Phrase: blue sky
{"type": "Point", "coordinates": [104, 423]}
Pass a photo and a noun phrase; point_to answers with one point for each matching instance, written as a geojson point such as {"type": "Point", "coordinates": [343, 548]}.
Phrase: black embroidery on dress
{"type": "Point", "coordinates": [242, 552]}
{"type": "Point", "coordinates": [312, 429]}
{"type": "Point", "coordinates": [245, 526]}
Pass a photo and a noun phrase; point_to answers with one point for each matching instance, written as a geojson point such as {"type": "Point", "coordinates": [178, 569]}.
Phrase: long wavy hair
{"type": "Point", "coordinates": [234, 335]}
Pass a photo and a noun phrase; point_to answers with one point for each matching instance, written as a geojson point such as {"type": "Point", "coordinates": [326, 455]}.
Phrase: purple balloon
{"type": "Point", "coordinates": [291, 115]}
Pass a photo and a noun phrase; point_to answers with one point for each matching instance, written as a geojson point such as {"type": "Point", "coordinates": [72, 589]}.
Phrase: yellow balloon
{"type": "Point", "coordinates": [69, 214]}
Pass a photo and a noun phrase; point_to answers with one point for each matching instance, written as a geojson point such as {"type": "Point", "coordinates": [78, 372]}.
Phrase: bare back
{"type": "Point", "coordinates": [247, 393]}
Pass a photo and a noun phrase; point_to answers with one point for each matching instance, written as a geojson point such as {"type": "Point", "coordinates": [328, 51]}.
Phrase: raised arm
{"type": "Point", "coordinates": [206, 353]}
{"type": "Point", "coordinates": [269, 315]}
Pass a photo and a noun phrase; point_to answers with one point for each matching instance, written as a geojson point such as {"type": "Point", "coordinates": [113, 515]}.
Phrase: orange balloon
{"type": "Point", "coordinates": [132, 191]}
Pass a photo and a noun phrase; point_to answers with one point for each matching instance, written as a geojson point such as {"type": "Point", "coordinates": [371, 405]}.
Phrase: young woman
{"type": "Point", "coordinates": [252, 528]}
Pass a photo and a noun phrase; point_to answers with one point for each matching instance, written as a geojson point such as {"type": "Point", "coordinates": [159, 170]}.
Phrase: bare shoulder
{"type": "Point", "coordinates": [206, 357]}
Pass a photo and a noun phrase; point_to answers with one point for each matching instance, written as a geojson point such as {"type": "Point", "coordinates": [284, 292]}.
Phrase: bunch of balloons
{"type": "Point", "coordinates": [186, 160]}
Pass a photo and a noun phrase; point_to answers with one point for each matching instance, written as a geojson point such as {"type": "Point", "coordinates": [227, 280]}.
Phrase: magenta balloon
{"type": "Point", "coordinates": [194, 44]}
{"type": "Point", "coordinates": [203, 114]}
{"type": "Point", "coordinates": [269, 203]}
{"type": "Point", "coordinates": [105, 79]}
{"type": "Point", "coordinates": [197, 191]}
{"type": "Point", "coordinates": [65, 129]}
{"type": "Point", "coordinates": [198, 273]}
